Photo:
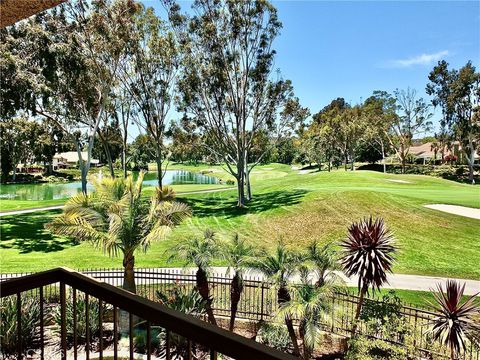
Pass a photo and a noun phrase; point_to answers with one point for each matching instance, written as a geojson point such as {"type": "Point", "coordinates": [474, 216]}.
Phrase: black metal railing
{"type": "Point", "coordinates": [259, 302]}
{"type": "Point", "coordinates": [117, 310]}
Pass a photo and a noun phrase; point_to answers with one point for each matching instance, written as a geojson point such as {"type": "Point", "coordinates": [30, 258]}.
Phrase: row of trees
{"type": "Point", "coordinates": [87, 67]}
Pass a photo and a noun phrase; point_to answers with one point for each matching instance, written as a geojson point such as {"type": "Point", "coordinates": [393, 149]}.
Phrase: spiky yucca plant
{"type": "Point", "coordinates": [458, 321]}
{"type": "Point", "coordinates": [368, 252]}
{"type": "Point", "coordinates": [118, 219]}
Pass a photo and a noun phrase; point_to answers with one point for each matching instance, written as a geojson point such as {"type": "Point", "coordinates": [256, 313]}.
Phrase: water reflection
{"type": "Point", "coordinates": [64, 190]}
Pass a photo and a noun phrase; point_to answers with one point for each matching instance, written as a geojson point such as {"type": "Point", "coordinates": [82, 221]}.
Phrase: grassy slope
{"type": "Point", "coordinates": [298, 208]}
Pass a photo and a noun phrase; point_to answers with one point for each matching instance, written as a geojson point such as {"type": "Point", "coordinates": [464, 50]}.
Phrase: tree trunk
{"type": "Point", "coordinates": [329, 166]}
{"type": "Point", "coordinates": [471, 161]}
{"type": "Point", "coordinates": [124, 162]}
{"type": "Point", "coordinates": [158, 158]}
{"type": "Point", "coordinates": [129, 274]}
{"type": "Point", "coordinates": [109, 158]}
{"type": "Point", "coordinates": [404, 161]}
{"type": "Point", "coordinates": [307, 352]}
{"type": "Point", "coordinates": [383, 158]}
{"type": "Point", "coordinates": [204, 291]}
{"type": "Point", "coordinates": [83, 168]}
{"type": "Point", "coordinates": [346, 162]}
{"type": "Point", "coordinates": [14, 176]}
{"type": "Point", "coordinates": [283, 297]}
{"type": "Point", "coordinates": [240, 177]}
{"type": "Point", "coordinates": [363, 291]}
{"type": "Point", "coordinates": [247, 185]}
{"type": "Point", "coordinates": [236, 289]}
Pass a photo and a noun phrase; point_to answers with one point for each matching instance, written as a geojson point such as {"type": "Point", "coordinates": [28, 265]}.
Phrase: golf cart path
{"type": "Point", "coordinates": [456, 210]}
{"type": "Point", "coordinates": [56, 207]}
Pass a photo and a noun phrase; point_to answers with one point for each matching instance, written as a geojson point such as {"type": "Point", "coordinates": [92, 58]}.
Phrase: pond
{"type": "Point", "coordinates": [50, 191]}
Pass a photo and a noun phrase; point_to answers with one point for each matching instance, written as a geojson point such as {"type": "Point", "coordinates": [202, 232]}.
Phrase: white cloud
{"type": "Point", "coordinates": [423, 59]}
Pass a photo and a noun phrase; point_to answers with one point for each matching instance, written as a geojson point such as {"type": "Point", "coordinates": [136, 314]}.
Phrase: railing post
{"type": "Point", "coordinates": [19, 327]}
{"type": "Point", "coordinates": [63, 330]}
{"type": "Point", "coordinates": [261, 304]}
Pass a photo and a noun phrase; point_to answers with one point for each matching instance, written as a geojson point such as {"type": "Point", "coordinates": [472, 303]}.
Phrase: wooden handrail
{"type": "Point", "coordinates": [217, 339]}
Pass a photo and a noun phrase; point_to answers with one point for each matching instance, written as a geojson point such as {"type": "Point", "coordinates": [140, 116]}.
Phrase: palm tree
{"type": "Point", "coordinates": [310, 305]}
{"type": "Point", "coordinates": [277, 268]}
{"type": "Point", "coordinates": [238, 255]}
{"type": "Point", "coordinates": [368, 252]}
{"type": "Point", "coordinates": [455, 324]}
{"type": "Point", "coordinates": [117, 219]}
{"type": "Point", "coordinates": [200, 252]}
{"type": "Point", "coordinates": [324, 261]}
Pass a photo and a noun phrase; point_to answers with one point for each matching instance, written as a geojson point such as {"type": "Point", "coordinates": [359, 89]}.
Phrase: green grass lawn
{"type": "Point", "coordinates": [297, 208]}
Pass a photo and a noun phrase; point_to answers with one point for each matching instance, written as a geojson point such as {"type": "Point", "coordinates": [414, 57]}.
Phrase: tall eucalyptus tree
{"type": "Point", "coordinates": [227, 82]}
{"type": "Point", "coordinates": [149, 75]}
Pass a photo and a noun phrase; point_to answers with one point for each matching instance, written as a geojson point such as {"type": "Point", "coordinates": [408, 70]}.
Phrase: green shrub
{"type": "Point", "coordinates": [93, 318]}
{"type": "Point", "coordinates": [230, 182]}
{"type": "Point", "coordinates": [275, 336]}
{"type": "Point", "coordinates": [140, 341]}
{"type": "Point", "coordinates": [362, 348]}
{"type": "Point", "coordinates": [179, 298]}
{"type": "Point", "coordinates": [8, 323]}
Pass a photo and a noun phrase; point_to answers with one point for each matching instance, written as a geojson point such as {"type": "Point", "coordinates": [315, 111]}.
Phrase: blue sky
{"type": "Point", "coordinates": [349, 49]}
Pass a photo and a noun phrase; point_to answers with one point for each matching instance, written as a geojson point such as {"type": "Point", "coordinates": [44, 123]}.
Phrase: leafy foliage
{"type": "Point", "coordinates": [274, 335]}
{"type": "Point", "coordinates": [81, 324]}
{"type": "Point", "coordinates": [187, 302]}
{"type": "Point", "coordinates": [118, 220]}
{"type": "Point", "coordinates": [30, 320]}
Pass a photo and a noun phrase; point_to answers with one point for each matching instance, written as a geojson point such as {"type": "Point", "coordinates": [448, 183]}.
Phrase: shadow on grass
{"type": "Point", "coordinates": [227, 206]}
{"type": "Point", "coordinates": [27, 233]}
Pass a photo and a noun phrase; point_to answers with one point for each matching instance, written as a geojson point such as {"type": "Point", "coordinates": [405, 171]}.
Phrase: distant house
{"type": "Point", "coordinates": [69, 160]}
{"type": "Point", "coordinates": [426, 153]}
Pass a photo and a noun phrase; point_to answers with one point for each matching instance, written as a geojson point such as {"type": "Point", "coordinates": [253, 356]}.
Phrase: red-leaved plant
{"type": "Point", "coordinates": [458, 321]}
{"type": "Point", "coordinates": [368, 252]}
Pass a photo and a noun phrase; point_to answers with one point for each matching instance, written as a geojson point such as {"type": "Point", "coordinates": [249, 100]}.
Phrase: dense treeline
{"type": "Point", "coordinates": [197, 86]}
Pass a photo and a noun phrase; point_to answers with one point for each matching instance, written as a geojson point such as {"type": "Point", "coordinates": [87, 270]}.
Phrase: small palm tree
{"type": "Point", "coordinates": [238, 255]}
{"type": "Point", "coordinates": [199, 252]}
{"type": "Point", "coordinates": [310, 304]}
{"type": "Point", "coordinates": [324, 261]}
{"type": "Point", "coordinates": [278, 268]}
{"type": "Point", "coordinates": [117, 219]}
{"type": "Point", "coordinates": [368, 252]}
{"type": "Point", "coordinates": [456, 324]}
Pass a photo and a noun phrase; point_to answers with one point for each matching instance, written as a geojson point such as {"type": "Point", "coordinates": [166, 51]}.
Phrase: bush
{"type": "Point", "coordinates": [362, 348]}
{"type": "Point", "coordinates": [179, 298]}
{"type": "Point", "coordinates": [230, 182]}
{"type": "Point", "coordinates": [93, 319]}
{"type": "Point", "coordinates": [384, 316]}
{"type": "Point", "coordinates": [140, 340]}
{"type": "Point", "coordinates": [8, 323]}
{"type": "Point", "coordinates": [275, 336]}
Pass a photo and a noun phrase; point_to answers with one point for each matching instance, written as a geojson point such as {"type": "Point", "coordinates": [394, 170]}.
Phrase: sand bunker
{"type": "Point", "coordinates": [399, 181]}
{"type": "Point", "coordinates": [457, 210]}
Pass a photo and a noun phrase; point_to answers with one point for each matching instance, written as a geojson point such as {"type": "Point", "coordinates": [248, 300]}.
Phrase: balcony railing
{"type": "Point", "coordinates": [198, 336]}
